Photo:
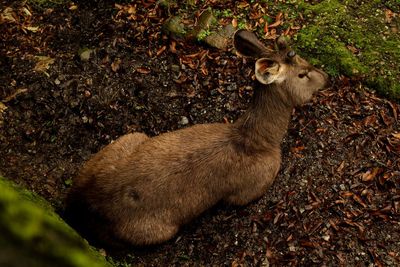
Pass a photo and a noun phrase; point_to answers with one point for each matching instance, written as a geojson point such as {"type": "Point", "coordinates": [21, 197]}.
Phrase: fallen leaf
{"type": "Point", "coordinates": [131, 9]}
{"type": "Point", "coordinates": [161, 50]}
{"type": "Point", "coordinates": [115, 65]}
{"type": "Point", "coordinates": [309, 244]}
{"type": "Point", "coordinates": [386, 119]}
{"type": "Point", "coordinates": [32, 28]}
{"type": "Point", "coordinates": [396, 135]}
{"type": "Point", "coordinates": [143, 70]}
{"type": "Point", "coordinates": [389, 14]}
{"type": "Point", "coordinates": [359, 201]}
{"type": "Point", "coordinates": [297, 149]}
{"type": "Point", "coordinates": [384, 178]}
{"type": "Point", "coordinates": [2, 107]}
{"type": "Point", "coordinates": [26, 11]}
{"type": "Point", "coordinates": [370, 120]}
{"type": "Point", "coordinates": [73, 7]}
{"type": "Point", "coordinates": [234, 23]}
{"type": "Point", "coordinates": [172, 47]}
{"type": "Point", "coordinates": [370, 174]}
{"type": "Point", "coordinates": [394, 110]}
{"type": "Point", "coordinates": [8, 15]}
{"type": "Point", "coordinates": [14, 95]}
{"type": "Point", "coordinates": [43, 63]}
{"type": "Point", "coordinates": [346, 194]}
{"type": "Point", "coordinates": [341, 167]}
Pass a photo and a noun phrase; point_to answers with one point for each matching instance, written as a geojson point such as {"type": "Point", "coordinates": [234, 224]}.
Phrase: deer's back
{"type": "Point", "coordinates": [186, 171]}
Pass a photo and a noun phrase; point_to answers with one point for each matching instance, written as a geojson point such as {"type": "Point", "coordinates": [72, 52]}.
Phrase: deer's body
{"type": "Point", "coordinates": [140, 190]}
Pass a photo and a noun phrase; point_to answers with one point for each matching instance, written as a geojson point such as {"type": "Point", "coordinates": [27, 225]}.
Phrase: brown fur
{"type": "Point", "coordinates": [141, 190]}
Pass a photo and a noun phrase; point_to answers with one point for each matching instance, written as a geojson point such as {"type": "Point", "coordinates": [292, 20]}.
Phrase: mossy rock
{"type": "Point", "coordinates": [355, 39]}
{"type": "Point", "coordinates": [32, 234]}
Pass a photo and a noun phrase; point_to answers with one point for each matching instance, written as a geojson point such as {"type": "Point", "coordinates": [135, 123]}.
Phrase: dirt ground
{"type": "Point", "coordinates": [335, 202]}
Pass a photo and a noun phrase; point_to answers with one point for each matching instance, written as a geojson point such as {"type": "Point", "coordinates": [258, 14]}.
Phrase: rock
{"type": "Point", "coordinates": [206, 20]}
{"type": "Point", "coordinates": [232, 87]}
{"type": "Point", "coordinates": [175, 68]}
{"type": "Point", "coordinates": [184, 121]}
{"type": "Point", "coordinates": [32, 234]}
{"type": "Point", "coordinates": [222, 38]}
{"type": "Point", "coordinates": [265, 262]}
{"type": "Point", "coordinates": [174, 26]}
{"type": "Point", "coordinates": [85, 53]}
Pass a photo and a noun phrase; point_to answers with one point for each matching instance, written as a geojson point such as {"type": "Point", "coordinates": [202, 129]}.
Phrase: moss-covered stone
{"type": "Point", "coordinates": [355, 38]}
{"type": "Point", "coordinates": [32, 234]}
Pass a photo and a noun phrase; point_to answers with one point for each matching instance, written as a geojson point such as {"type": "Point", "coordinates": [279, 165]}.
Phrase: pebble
{"type": "Point", "coordinates": [326, 237]}
{"type": "Point", "coordinates": [184, 120]}
{"type": "Point", "coordinates": [231, 87]}
{"type": "Point", "coordinates": [175, 68]}
{"type": "Point", "coordinates": [85, 54]}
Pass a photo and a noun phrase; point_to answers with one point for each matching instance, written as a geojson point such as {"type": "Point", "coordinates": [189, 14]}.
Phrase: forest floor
{"type": "Point", "coordinates": [74, 79]}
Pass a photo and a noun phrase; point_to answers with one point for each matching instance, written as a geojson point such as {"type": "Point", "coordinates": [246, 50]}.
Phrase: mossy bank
{"type": "Point", "coordinates": [32, 234]}
{"type": "Point", "coordinates": [355, 38]}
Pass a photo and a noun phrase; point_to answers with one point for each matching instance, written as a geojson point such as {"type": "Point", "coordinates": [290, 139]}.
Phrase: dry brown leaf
{"type": "Point", "coordinates": [275, 24]}
{"type": "Point", "coordinates": [115, 65]}
{"type": "Point", "coordinates": [266, 27]}
{"type": "Point", "coordinates": [27, 12]}
{"type": "Point", "coordinates": [386, 119]}
{"type": "Point", "coordinates": [8, 15]}
{"type": "Point", "coordinates": [32, 28]}
{"type": "Point", "coordinates": [131, 9]}
{"type": "Point", "coordinates": [143, 70]}
{"type": "Point", "coordinates": [341, 167]}
{"type": "Point", "coordinates": [2, 107]}
{"type": "Point", "coordinates": [389, 15]}
{"type": "Point", "coordinates": [161, 50]}
{"type": "Point", "coordinates": [396, 135]}
{"type": "Point", "coordinates": [14, 95]}
{"type": "Point", "coordinates": [43, 63]}
{"type": "Point", "coordinates": [73, 7]}
{"type": "Point", "coordinates": [359, 201]}
{"type": "Point", "coordinates": [243, 5]}
{"type": "Point", "coordinates": [172, 47]}
{"type": "Point", "coordinates": [394, 110]}
{"type": "Point", "coordinates": [370, 120]}
{"type": "Point", "coordinates": [234, 23]}
{"type": "Point", "coordinates": [346, 194]}
{"type": "Point", "coordinates": [297, 149]}
{"type": "Point", "coordinates": [370, 174]}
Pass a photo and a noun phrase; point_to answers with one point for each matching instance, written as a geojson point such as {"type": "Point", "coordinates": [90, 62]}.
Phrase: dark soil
{"type": "Point", "coordinates": [336, 200]}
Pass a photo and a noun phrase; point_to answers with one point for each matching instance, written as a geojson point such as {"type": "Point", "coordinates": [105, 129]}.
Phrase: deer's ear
{"type": "Point", "coordinates": [247, 44]}
{"type": "Point", "coordinates": [268, 71]}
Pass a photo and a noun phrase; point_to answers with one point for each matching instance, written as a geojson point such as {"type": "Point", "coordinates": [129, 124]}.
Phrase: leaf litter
{"type": "Point", "coordinates": [336, 200]}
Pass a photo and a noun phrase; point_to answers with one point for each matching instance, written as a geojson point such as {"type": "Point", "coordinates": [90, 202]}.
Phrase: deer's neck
{"type": "Point", "coordinates": [266, 120]}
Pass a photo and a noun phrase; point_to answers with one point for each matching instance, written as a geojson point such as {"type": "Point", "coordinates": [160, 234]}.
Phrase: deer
{"type": "Point", "coordinates": [140, 190]}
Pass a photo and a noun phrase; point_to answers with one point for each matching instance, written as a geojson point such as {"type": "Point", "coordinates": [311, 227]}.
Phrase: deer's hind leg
{"type": "Point", "coordinates": [110, 155]}
{"type": "Point", "coordinates": [245, 195]}
{"type": "Point", "coordinates": [147, 232]}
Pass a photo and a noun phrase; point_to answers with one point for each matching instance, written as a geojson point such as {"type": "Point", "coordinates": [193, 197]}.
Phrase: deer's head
{"type": "Point", "coordinates": [294, 77]}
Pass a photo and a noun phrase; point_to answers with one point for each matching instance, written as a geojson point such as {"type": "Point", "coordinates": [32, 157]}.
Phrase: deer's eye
{"type": "Point", "coordinates": [291, 54]}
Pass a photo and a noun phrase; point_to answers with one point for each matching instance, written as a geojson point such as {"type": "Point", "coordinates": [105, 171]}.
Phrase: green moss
{"type": "Point", "coordinates": [32, 234]}
{"type": "Point", "coordinates": [354, 39]}
{"type": "Point", "coordinates": [203, 34]}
